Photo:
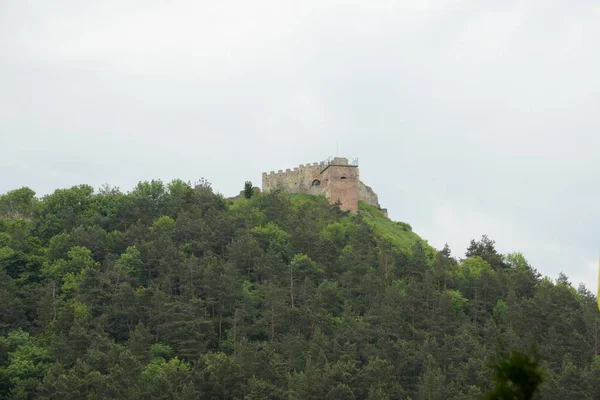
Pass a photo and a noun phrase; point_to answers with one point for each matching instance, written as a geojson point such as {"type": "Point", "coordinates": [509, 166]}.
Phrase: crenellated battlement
{"type": "Point", "coordinates": [297, 169]}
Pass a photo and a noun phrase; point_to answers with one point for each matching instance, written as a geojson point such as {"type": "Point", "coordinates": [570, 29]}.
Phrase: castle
{"type": "Point", "coordinates": [336, 178]}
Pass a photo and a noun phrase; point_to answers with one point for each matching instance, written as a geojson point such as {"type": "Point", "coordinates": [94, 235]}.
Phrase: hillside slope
{"type": "Point", "coordinates": [399, 234]}
{"type": "Point", "coordinates": [172, 292]}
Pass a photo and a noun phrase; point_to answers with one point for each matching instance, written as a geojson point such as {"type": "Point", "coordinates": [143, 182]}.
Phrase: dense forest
{"type": "Point", "coordinates": [171, 291]}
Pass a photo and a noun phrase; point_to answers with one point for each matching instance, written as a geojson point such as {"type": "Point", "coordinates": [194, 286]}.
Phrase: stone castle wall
{"type": "Point", "coordinates": [297, 180]}
{"type": "Point", "coordinates": [323, 179]}
{"type": "Point", "coordinates": [366, 194]}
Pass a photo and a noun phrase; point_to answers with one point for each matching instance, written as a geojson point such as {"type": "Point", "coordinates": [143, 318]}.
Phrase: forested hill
{"type": "Point", "coordinates": [173, 292]}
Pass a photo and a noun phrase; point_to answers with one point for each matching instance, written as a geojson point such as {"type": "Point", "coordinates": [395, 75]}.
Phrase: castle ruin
{"type": "Point", "coordinates": [336, 178]}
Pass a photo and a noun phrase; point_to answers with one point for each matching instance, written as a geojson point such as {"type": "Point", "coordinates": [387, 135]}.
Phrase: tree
{"type": "Point", "coordinates": [222, 375]}
{"type": "Point", "coordinates": [19, 203]}
{"type": "Point", "coordinates": [517, 376]}
{"type": "Point", "coordinates": [485, 248]}
{"type": "Point", "coordinates": [248, 190]}
{"type": "Point", "coordinates": [130, 263]}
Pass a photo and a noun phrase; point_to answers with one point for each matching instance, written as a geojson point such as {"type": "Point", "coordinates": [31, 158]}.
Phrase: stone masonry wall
{"type": "Point", "coordinates": [366, 194]}
{"type": "Point", "coordinates": [341, 184]}
{"type": "Point", "coordinates": [297, 180]}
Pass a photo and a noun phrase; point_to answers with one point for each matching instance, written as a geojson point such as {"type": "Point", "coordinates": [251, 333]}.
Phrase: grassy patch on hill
{"type": "Point", "coordinates": [300, 198]}
{"type": "Point", "coordinates": [399, 234]}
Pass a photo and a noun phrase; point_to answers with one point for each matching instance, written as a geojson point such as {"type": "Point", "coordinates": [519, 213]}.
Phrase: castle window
{"type": "Point", "coordinates": [343, 177]}
{"type": "Point", "coordinates": [316, 182]}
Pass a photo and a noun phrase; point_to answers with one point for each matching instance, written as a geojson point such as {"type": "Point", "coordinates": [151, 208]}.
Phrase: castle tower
{"type": "Point", "coordinates": [340, 183]}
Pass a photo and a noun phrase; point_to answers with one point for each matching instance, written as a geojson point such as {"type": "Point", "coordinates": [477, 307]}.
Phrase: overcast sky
{"type": "Point", "coordinates": [468, 117]}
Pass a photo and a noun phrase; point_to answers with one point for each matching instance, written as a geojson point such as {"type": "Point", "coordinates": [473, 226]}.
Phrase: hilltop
{"type": "Point", "coordinates": [171, 291]}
